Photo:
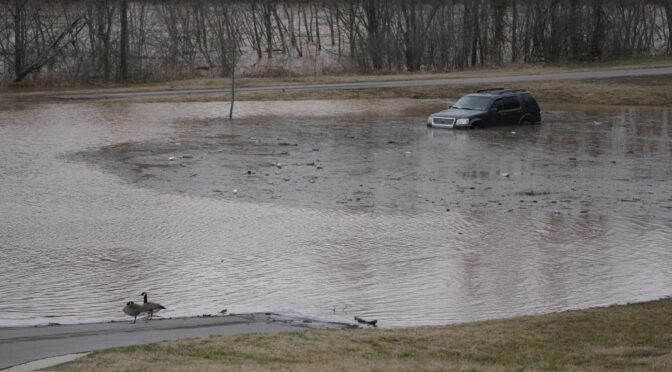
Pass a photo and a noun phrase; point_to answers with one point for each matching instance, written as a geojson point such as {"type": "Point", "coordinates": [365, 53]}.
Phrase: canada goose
{"type": "Point", "coordinates": [150, 307]}
{"type": "Point", "coordinates": [133, 309]}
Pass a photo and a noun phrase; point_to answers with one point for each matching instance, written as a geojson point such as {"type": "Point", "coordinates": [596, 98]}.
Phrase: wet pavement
{"type": "Point", "coordinates": [328, 210]}
{"type": "Point", "coordinates": [25, 344]}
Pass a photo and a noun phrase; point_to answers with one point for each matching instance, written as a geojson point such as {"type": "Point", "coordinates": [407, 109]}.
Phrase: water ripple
{"type": "Point", "coordinates": [79, 241]}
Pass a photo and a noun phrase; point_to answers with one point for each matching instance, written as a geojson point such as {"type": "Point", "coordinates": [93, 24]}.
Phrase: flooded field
{"type": "Point", "coordinates": [328, 209]}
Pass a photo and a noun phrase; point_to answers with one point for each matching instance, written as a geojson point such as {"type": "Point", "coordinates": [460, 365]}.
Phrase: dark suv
{"type": "Point", "coordinates": [489, 107]}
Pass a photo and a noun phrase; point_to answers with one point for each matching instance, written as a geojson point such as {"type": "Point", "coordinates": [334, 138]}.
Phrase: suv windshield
{"type": "Point", "coordinates": [472, 103]}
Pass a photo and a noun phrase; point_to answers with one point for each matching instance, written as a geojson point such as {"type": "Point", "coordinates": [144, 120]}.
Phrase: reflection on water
{"type": "Point", "coordinates": [80, 238]}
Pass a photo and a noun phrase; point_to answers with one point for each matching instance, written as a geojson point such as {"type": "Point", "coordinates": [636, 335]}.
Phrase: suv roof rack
{"type": "Point", "coordinates": [500, 90]}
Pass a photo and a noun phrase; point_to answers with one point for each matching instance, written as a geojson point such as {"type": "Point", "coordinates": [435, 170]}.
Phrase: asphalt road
{"type": "Point", "coordinates": [386, 84]}
{"type": "Point", "coordinates": [19, 345]}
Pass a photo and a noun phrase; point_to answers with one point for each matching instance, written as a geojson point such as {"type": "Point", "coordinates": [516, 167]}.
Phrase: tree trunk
{"type": "Point", "coordinates": [269, 28]}
{"type": "Point", "coordinates": [598, 30]}
{"type": "Point", "coordinates": [278, 22]}
{"type": "Point", "coordinates": [514, 31]}
{"type": "Point", "coordinates": [257, 37]}
{"type": "Point", "coordinates": [476, 32]}
{"type": "Point", "coordinates": [318, 41]}
{"type": "Point", "coordinates": [668, 13]}
{"type": "Point", "coordinates": [123, 41]}
{"type": "Point", "coordinates": [19, 41]}
{"type": "Point", "coordinates": [233, 84]}
{"type": "Point", "coordinates": [372, 11]}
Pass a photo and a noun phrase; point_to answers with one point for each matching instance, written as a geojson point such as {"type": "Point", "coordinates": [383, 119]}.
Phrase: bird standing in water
{"type": "Point", "coordinates": [133, 309]}
{"type": "Point", "coordinates": [150, 307]}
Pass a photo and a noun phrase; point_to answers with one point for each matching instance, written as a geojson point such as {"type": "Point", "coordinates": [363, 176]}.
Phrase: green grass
{"type": "Point", "coordinates": [636, 337]}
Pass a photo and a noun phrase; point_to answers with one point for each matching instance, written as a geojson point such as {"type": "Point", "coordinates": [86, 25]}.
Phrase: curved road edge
{"type": "Point", "coordinates": [601, 74]}
{"type": "Point", "coordinates": [21, 345]}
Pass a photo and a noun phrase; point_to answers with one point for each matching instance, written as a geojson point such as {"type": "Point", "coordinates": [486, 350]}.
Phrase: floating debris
{"type": "Point", "coordinates": [505, 175]}
{"type": "Point", "coordinates": [372, 323]}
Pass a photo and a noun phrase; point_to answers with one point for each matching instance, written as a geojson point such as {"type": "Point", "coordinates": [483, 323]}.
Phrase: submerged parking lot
{"type": "Point", "coordinates": [329, 209]}
{"type": "Point", "coordinates": [604, 163]}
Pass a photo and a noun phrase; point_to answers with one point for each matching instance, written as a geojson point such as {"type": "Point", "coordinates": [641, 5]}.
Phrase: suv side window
{"type": "Point", "coordinates": [498, 103]}
{"type": "Point", "coordinates": [511, 103]}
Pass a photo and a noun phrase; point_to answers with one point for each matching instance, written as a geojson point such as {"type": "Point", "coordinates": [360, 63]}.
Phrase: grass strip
{"type": "Point", "coordinates": [634, 337]}
{"type": "Point", "coordinates": [644, 91]}
{"type": "Point", "coordinates": [224, 83]}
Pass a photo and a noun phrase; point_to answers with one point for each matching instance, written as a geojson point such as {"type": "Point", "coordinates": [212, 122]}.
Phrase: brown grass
{"type": "Point", "coordinates": [651, 91]}
{"type": "Point", "coordinates": [207, 83]}
{"type": "Point", "coordinates": [636, 337]}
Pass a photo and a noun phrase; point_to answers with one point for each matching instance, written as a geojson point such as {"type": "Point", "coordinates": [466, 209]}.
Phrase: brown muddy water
{"type": "Point", "coordinates": [328, 209]}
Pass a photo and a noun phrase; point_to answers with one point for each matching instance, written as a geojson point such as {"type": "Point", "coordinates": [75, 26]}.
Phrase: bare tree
{"type": "Point", "coordinates": [141, 39]}
{"type": "Point", "coordinates": [123, 40]}
{"type": "Point", "coordinates": [37, 36]}
{"type": "Point", "coordinates": [667, 6]}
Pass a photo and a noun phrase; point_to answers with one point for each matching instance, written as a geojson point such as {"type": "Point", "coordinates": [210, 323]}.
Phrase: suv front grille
{"type": "Point", "coordinates": [441, 122]}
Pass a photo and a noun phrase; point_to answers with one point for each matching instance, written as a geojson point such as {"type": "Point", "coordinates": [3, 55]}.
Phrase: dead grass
{"type": "Point", "coordinates": [651, 91]}
{"type": "Point", "coordinates": [635, 337]}
{"type": "Point", "coordinates": [211, 83]}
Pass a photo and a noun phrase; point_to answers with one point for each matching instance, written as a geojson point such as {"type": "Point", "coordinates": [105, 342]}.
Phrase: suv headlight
{"type": "Point", "coordinates": [462, 122]}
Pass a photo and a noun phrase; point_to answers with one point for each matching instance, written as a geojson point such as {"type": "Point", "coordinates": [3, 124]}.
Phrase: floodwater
{"type": "Point", "coordinates": [328, 209]}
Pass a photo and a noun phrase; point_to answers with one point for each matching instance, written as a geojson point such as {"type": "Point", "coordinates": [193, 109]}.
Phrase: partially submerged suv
{"type": "Point", "coordinates": [489, 107]}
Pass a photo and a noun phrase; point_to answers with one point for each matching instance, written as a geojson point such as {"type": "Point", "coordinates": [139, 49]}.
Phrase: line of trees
{"type": "Point", "coordinates": [105, 40]}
